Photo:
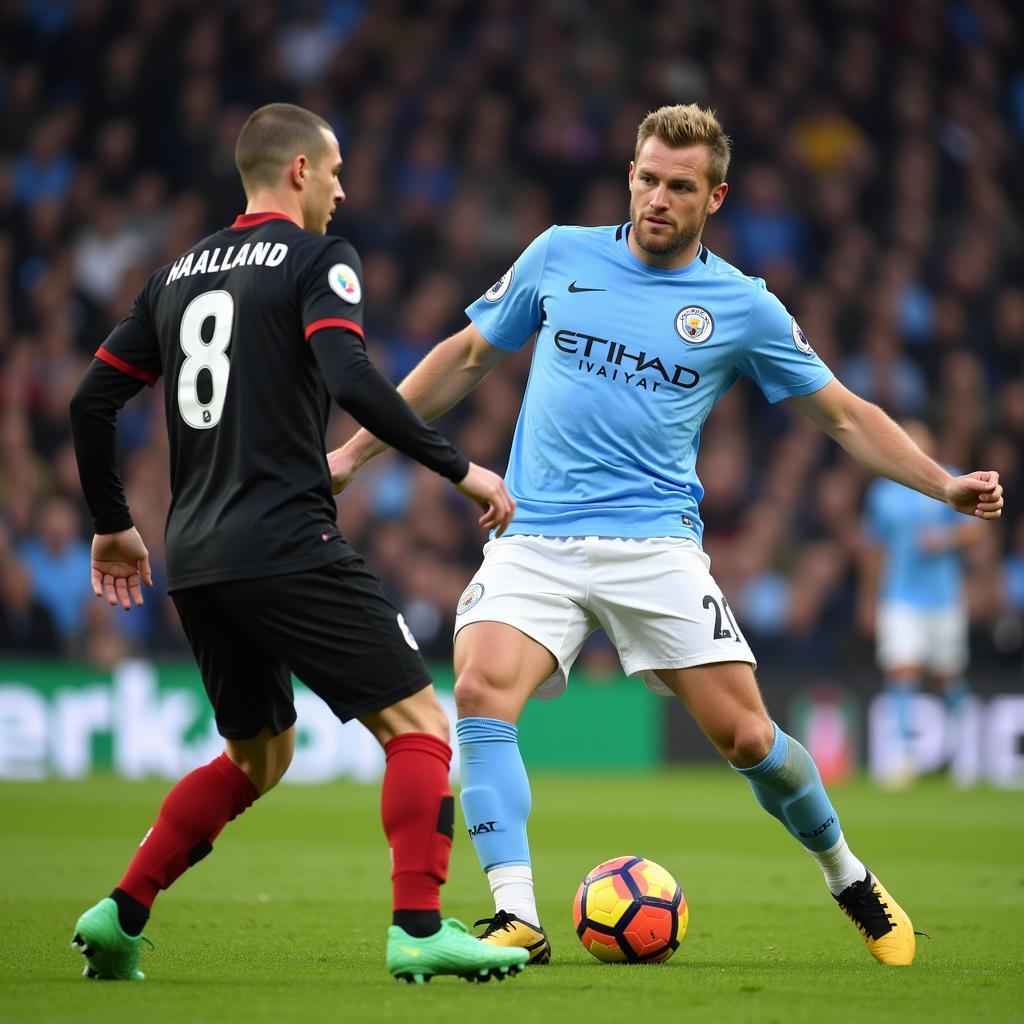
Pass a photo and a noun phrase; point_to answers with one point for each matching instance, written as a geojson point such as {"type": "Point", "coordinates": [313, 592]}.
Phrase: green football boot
{"type": "Point", "coordinates": [451, 950]}
{"type": "Point", "coordinates": [109, 952]}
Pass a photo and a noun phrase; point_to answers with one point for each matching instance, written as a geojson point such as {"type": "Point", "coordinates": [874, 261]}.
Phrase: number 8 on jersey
{"type": "Point", "coordinates": [201, 355]}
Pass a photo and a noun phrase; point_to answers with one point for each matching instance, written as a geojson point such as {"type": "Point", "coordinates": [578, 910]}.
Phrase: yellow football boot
{"type": "Point", "coordinates": [505, 929]}
{"type": "Point", "coordinates": [881, 920]}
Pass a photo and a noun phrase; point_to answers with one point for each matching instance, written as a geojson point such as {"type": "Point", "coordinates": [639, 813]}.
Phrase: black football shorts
{"type": "Point", "coordinates": [331, 626]}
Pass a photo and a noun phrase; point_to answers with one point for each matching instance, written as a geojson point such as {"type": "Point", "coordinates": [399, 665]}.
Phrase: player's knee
{"type": "Point", "coordinates": [262, 774]}
{"type": "Point", "coordinates": [264, 760]}
{"type": "Point", "coordinates": [433, 719]}
{"type": "Point", "coordinates": [751, 741]}
{"type": "Point", "coordinates": [475, 694]}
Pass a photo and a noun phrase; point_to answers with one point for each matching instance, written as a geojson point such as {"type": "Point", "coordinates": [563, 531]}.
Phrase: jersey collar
{"type": "Point", "coordinates": [622, 242]}
{"type": "Point", "coordinates": [250, 220]}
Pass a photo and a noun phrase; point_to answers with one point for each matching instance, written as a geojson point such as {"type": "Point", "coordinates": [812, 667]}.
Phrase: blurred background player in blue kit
{"type": "Point", "coordinates": [912, 601]}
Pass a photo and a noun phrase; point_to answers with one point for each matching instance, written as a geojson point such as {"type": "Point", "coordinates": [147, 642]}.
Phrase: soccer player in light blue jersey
{"type": "Point", "coordinates": [912, 599]}
{"type": "Point", "coordinates": [639, 331]}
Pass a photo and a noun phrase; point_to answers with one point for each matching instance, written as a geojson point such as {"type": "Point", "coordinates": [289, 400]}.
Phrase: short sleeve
{"type": "Point", "coordinates": [331, 292]}
{"type": "Point", "coordinates": [132, 346]}
{"type": "Point", "coordinates": [509, 311]}
{"type": "Point", "coordinates": [777, 355]}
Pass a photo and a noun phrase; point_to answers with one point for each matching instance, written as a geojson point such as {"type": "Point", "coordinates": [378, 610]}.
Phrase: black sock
{"type": "Point", "coordinates": [417, 923]}
{"type": "Point", "coordinates": [131, 914]}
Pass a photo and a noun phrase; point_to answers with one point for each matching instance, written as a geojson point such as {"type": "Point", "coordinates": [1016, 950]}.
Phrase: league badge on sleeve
{"type": "Point", "coordinates": [344, 283]}
{"type": "Point", "coordinates": [470, 596]}
{"type": "Point", "coordinates": [800, 340]}
{"type": "Point", "coordinates": [694, 325]}
{"type": "Point", "coordinates": [501, 286]}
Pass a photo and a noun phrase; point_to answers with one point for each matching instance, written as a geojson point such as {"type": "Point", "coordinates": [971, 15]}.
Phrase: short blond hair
{"type": "Point", "coordinates": [689, 125]}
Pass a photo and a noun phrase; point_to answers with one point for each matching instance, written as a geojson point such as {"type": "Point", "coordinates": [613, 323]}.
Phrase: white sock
{"type": "Point", "coordinates": [840, 866]}
{"type": "Point", "coordinates": [512, 888]}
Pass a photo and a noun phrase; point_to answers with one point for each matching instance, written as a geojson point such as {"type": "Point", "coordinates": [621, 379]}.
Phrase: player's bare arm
{"type": "Point", "coordinates": [869, 565]}
{"type": "Point", "coordinates": [963, 535]}
{"type": "Point", "coordinates": [440, 380]}
{"type": "Point", "coordinates": [868, 434]}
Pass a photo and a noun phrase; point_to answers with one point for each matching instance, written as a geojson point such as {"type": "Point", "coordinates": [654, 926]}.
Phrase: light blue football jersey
{"type": "Point", "coordinates": [629, 360]}
{"type": "Point", "coordinates": [896, 519]}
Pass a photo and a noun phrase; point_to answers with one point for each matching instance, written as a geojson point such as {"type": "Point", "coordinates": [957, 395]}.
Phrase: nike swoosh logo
{"type": "Point", "coordinates": [573, 288]}
{"type": "Point", "coordinates": [409, 950]}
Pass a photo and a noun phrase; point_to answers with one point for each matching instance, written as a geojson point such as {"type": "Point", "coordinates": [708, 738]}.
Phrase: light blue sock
{"type": "Point", "coordinates": [788, 786]}
{"type": "Point", "coordinates": [901, 702]}
{"type": "Point", "coordinates": [495, 790]}
{"type": "Point", "coordinates": [956, 695]}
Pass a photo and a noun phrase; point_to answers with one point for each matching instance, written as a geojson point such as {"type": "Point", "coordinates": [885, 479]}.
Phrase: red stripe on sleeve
{"type": "Point", "coordinates": [133, 371]}
{"type": "Point", "coordinates": [348, 325]}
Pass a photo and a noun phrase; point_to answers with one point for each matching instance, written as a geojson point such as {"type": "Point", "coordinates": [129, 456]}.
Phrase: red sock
{"type": "Point", "coordinates": [191, 817]}
{"type": "Point", "coordinates": [419, 818]}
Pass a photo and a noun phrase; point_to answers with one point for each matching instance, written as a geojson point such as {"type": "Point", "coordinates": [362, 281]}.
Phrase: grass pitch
{"type": "Point", "coordinates": [285, 920]}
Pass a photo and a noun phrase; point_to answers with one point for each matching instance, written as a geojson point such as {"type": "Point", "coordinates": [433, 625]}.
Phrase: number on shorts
{"type": "Point", "coordinates": [201, 355]}
{"type": "Point", "coordinates": [710, 601]}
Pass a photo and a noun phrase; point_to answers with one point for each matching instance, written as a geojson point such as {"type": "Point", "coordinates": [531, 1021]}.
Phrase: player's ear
{"type": "Point", "coordinates": [718, 196]}
{"type": "Point", "coordinates": [629, 175]}
{"type": "Point", "coordinates": [298, 171]}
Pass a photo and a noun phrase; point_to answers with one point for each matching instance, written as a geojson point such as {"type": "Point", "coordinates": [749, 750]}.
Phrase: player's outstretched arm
{"type": "Point", "coordinates": [878, 443]}
{"type": "Point", "coordinates": [442, 378]}
{"type": "Point", "coordinates": [488, 490]}
{"type": "Point", "coordinates": [358, 387]}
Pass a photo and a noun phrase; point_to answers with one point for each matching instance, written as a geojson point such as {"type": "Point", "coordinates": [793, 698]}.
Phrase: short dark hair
{"type": "Point", "coordinates": [272, 137]}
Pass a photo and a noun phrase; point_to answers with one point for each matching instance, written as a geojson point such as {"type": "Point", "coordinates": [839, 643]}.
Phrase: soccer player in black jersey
{"type": "Point", "coordinates": [254, 330]}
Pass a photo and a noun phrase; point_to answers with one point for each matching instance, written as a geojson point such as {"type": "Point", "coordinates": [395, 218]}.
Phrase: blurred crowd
{"type": "Point", "coordinates": [876, 186]}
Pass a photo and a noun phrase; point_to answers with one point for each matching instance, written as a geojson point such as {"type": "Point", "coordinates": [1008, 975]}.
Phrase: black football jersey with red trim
{"type": "Point", "coordinates": [227, 326]}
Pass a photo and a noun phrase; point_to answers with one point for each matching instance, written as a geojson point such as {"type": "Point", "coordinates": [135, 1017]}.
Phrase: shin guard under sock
{"type": "Point", "coordinates": [495, 791]}
{"type": "Point", "coordinates": [191, 817]}
{"type": "Point", "coordinates": [788, 786]}
{"type": "Point", "coordinates": [418, 813]}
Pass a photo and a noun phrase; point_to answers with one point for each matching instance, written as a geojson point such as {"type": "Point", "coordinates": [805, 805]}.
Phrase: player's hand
{"type": "Point", "coordinates": [976, 494]}
{"type": "Point", "coordinates": [342, 467]}
{"type": "Point", "coordinates": [488, 490]}
{"type": "Point", "coordinates": [120, 565]}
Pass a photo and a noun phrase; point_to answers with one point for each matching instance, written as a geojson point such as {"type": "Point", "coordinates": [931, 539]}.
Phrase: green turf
{"type": "Point", "coordinates": [285, 921]}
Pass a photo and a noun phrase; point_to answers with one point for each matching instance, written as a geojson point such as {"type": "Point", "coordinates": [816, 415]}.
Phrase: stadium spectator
{"type": "Point", "coordinates": [26, 625]}
{"type": "Point", "coordinates": [58, 561]}
{"type": "Point", "coordinates": [894, 136]}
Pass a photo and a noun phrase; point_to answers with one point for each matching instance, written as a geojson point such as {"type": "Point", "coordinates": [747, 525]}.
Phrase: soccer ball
{"type": "Point", "coordinates": [630, 910]}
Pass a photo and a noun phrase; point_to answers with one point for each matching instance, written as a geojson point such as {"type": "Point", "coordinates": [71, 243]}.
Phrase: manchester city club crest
{"type": "Point", "coordinates": [800, 340]}
{"type": "Point", "coordinates": [470, 596]}
{"type": "Point", "coordinates": [502, 285]}
{"type": "Point", "coordinates": [694, 325]}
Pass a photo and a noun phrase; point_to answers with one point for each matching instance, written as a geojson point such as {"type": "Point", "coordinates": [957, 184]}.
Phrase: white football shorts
{"type": "Point", "coordinates": [654, 596]}
{"type": "Point", "coordinates": [934, 639]}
